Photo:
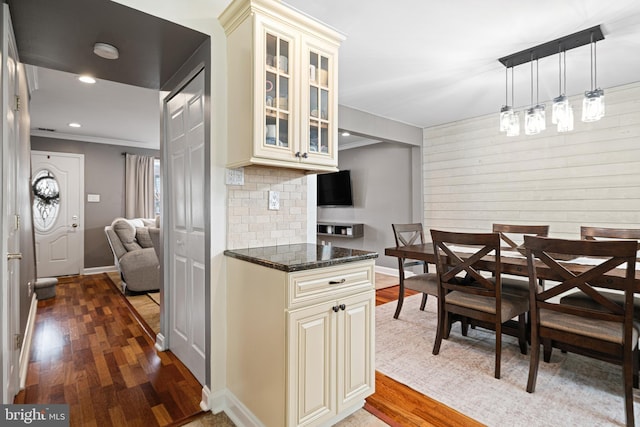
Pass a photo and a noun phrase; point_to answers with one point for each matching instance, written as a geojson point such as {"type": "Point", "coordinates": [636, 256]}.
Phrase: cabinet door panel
{"type": "Point", "coordinates": [356, 376]}
{"type": "Point", "coordinates": [312, 360]}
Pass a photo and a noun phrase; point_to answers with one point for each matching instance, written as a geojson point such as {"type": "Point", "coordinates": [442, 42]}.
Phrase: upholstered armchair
{"type": "Point", "coordinates": [135, 252]}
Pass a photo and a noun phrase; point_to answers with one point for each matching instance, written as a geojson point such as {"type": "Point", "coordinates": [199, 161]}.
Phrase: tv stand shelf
{"type": "Point", "coordinates": [340, 229]}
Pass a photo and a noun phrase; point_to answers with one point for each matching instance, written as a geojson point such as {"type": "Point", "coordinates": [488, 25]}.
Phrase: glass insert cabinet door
{"type": "Point", "coordinates": [319, 103]}
{"type": "Point", "coordinates": [277, 89]}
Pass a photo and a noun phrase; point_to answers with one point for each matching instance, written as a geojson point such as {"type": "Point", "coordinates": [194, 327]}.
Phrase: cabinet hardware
{"type": "Point", "coordinates": [14, 255]}
{"type": "Point", "coordinates": [343, 307]}
{"type": "Point", "coordinates": [305, 155]}
{"type": "Point", "coordinates": [337, 282]}
{"type": "Point", "coordinates": [335, 308]}
{"type": "Point", "coordinates": [298, 154]}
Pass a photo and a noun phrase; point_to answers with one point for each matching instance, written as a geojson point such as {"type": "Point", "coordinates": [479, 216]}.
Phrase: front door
{"type": "Point", "coordinates": [185, 145]}
{"type": "Point", "coordinates": [58, 212]}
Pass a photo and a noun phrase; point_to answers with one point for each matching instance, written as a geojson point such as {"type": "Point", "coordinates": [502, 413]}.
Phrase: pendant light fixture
{"type": "Point", "coordinates": [593, 102]}
{"type": "Point", "coordinates": [562, 112]}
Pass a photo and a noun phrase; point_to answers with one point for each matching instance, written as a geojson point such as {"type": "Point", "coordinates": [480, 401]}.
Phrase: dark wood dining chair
{"type": "Point", "coordinates": [513, 236]}
{"type": "Point", "coordinates": [463, 291]}
{"type": "Point", "coordinates": [424, 282]}
{"type": "Point", "coordinates": [607, 333]}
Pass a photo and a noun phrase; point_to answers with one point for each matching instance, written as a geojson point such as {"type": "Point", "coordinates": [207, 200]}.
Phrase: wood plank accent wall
{"type": "Point", "coordinates": [475, 176]}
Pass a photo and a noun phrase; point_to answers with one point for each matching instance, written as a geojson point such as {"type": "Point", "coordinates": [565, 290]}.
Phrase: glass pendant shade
{"type": "Point", "coordinates": [559, 109]}
{"type": "Point", "coordinates": [535, 120]}
{"type": "Point", "coordinates": [565, 122]}
{"type": "Point", "coordinates": [505, 117]}
{"type": "Point", "coordinates": [593, 105]}
{"type": "Point", "coordinates": [514, 124]}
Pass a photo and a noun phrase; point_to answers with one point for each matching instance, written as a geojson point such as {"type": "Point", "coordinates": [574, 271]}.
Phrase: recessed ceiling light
{"type": "Point", "coordinates": [87, 79]}
{"type": "Point", "coordinates": [106, 51]}
{"type": "Point", "coordinates": [75, 125]}
{"type": "Point", "coordinates": [345, 133]}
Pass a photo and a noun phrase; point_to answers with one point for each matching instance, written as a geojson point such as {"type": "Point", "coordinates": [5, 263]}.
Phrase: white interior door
{"type": "Point", "coordinates": [10, 231]}
{"type": "Point", "coordinates": [186, 232]}
{"type": "Point", "coordinates": [58, 212]}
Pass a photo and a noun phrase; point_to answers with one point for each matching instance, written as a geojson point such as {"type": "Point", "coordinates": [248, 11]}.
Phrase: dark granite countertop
{"type": "Point", "coordinates": [299, 256]}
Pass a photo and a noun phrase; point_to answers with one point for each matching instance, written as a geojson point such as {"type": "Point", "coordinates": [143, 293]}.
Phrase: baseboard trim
{"type": "Point", "coordinates": [160, 342]}
{"type": "Point", "coordinates": [387, 270]}
{"type": "Point", "coordinates": [26, 344]}
{"type": "Point", "coordinates": [238, 413]}
{"type": "Point", "coordinates": [98, 270]}
{"type": "Point", "coordinates": [217, 401]}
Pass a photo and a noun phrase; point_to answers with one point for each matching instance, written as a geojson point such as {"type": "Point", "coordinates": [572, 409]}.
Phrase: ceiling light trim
{"type": "Point", "coordinates": [106, 50]}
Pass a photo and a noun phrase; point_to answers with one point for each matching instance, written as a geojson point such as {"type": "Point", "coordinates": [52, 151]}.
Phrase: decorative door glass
{"type": "Point", "coordinates": [46, 200]}
{"type": "Point", "coordinates": [319, 103]}
{"type": "Point", "coordinates": [277, 90]}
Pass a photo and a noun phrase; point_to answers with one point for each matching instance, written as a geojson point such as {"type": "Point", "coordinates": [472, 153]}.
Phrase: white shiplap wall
{"type": "Point", "coordinates": [475, 176]}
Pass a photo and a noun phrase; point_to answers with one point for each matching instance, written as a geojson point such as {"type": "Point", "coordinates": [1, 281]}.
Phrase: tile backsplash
{"type": "Point", "coordinates": [252, 224]}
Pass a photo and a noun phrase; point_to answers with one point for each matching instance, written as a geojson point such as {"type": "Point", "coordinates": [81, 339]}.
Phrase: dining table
{"type": "Point", "coordinates": [512, 261]}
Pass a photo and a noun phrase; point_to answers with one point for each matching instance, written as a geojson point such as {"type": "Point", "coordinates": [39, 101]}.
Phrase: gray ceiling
{"type": "Point", "coordinates": [422, 62]}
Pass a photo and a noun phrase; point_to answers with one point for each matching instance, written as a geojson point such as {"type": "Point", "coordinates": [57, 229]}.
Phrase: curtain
{"type": "Point", "coordinates": [138, 186]}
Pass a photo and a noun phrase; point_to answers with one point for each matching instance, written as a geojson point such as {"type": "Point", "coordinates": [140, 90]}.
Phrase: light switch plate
{"type": "Point", "coordinates": [93, 198]}
{"type": "Point", "coordinates": [274, 200]}
{"type": "Point", "coordinates": [235, 176]}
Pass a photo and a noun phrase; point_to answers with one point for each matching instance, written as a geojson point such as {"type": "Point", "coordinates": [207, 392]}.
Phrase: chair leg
{"type": "Point", "coordinates": [498, 348]}
{"type": "Point", "coordinates": [548, 348]}
{"type": "Point", "coordinates": [400, 301]}
{"type": "Point", "coordinates": [442, 321]}
{"type": "Point", "coordinates": [534, 359]}
{"type": "Point", "coordinates": [464, 325]}
{"type": "Point", "coordinates": [424, 301]}
{"type": "Point", "coordinates": [522, 333]}
{"type": "Point", "coordinates": [628, 386]}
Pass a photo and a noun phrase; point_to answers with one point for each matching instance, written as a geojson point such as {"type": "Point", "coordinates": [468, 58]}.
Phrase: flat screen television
{"type": "Point", "coordinates": [334, 189]}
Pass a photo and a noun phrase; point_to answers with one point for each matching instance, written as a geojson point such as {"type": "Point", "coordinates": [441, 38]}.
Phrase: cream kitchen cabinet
{"type": "Point", "coordinates": [300, 343]}
{"type": "Point", "coordinates": [282, 74]}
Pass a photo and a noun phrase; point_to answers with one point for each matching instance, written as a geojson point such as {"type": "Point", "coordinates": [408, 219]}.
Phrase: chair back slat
{"type": "Point", "coordinates": [603, 233]}
{"type": "Point", "coordinates": [505, 230]}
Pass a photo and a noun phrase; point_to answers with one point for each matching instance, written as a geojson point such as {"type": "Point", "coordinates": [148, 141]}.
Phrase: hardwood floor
{"type": "Point", "coordinates": [90, 352]}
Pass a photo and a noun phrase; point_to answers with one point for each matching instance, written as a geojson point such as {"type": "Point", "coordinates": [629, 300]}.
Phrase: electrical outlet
{"type": "Point", "coordinates": [274, 200]}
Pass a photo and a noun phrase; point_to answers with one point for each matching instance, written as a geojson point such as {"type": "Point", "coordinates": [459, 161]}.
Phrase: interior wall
{"type": "Point", "coordinates": [381, 181]}
{"type": "Point", "coordinates": [104, 175]}
{"type": "Point", "coordinates": [475, 176]}
{"type": "Point", "coordinates": [252, 224]}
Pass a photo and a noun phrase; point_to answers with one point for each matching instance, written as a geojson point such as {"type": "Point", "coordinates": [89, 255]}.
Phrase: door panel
{"type": "Point", "coordinates": [59, 227]}
{"type": "Point", "coordinates": [186, 234]}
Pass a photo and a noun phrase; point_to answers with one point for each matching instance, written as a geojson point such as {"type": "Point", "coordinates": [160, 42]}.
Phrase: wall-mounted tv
{"type": "Point", "coordinates": [334, 189]}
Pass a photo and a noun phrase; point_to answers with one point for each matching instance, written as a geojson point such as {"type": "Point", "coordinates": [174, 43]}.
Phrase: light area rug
{"type": "Point", "coordinates": [571, 390]}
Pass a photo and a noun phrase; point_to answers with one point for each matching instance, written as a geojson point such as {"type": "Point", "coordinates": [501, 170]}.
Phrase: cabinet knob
{"type": "Point", "coordinates": [343, 307]}
{"type": "Point", "coordinates": [335, 308]}
{"type": "Point", "coordinates": [337, 282]}
{"type": "Point", "coordinates": [298, 154]}
{"type": "Point", "coordinates": [305, 155]}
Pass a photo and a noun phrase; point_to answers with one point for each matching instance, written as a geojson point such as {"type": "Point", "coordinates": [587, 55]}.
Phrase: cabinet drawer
{"type": "Point", "coordinates": [323, 284]}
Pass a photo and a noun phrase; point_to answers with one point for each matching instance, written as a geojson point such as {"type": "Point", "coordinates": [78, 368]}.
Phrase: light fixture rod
{"type": "Point", "coordinates": [571, 41]}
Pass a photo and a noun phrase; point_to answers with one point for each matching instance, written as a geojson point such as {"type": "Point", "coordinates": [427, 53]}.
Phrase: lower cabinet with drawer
{"type": "Point", "coordinates": [301, 345]}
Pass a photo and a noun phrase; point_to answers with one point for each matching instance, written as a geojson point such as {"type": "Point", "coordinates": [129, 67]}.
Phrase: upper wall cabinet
{"type": "Point", "coordinates": [282, 87]}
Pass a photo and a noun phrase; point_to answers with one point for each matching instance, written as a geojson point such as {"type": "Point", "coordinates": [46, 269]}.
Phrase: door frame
{"type": "Point", "coordinates": [199, 61]}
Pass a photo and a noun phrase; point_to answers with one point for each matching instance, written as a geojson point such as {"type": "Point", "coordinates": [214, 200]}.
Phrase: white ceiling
{"type": "Point", "coordinates": [422, 62]}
